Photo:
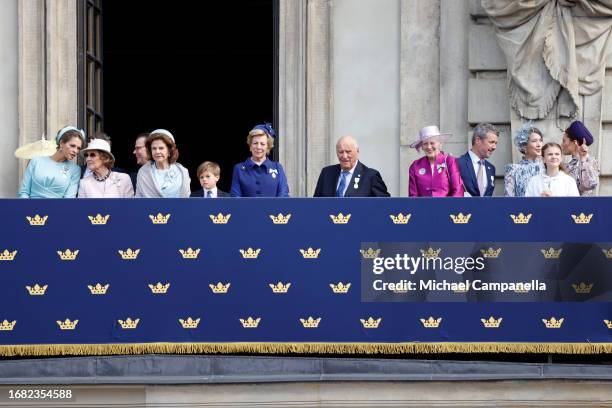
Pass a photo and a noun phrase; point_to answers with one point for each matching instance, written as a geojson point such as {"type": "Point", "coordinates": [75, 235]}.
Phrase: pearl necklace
{"type": "Point", "coordinates": [101, 178]}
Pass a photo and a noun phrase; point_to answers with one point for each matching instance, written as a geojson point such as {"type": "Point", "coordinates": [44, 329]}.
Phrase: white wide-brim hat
{"type": "Point", "coordinates": [99, 144]}
{"type": "Point", "coordinates": [42, 147]}
{"type": "Point", "coordinates": [427, 133]}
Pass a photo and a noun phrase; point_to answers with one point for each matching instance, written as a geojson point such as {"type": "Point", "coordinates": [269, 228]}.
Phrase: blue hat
{"type": "Point", "coordinates": [577, 131]}
{"type": "Point", "coordinates": [522, 136]}
{"type": "Point", "coordinates": [266, 128]}
{"type": "Point", "coordinates": [67, 129]}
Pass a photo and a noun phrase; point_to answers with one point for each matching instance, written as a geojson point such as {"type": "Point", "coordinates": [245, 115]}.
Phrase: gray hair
{"type": "Point", "coordinates": [349, 139]}
{"type": "Point", "coordinates": [482, 129]}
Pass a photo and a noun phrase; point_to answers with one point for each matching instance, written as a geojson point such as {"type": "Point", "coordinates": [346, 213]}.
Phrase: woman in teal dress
{"type": "Point", "coordinates": [529, 141]}
{"type": "Point", "coordinates": [55, 176]}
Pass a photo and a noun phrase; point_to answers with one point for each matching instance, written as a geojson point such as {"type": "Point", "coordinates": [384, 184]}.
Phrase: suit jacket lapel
{"type": "Point", "coordinates": [469, 165]}
{"type": "Point", "coordinates": [357, 174]}
{"type": "Point", "coordinates": [490, 175]}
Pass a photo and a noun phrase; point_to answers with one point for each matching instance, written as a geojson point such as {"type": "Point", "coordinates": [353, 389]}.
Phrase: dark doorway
{"type": "Point", "coordinates": [202, 69]}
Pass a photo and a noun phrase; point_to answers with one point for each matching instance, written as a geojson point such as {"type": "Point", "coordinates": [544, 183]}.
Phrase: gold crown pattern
{"type": "Point", "coordinates": [280, 287]}
{"type": "Point", "coordinates": [606, 322]}
{"type": "Point", "coordinates": [490, 252]}
{"type": "Point", "coordinates": [370, 253]}
{"type": "Point", "coordinates": [7, 255]}
{"type": "Point", "coordinates": [68, 255]}
{"type": "Point", "coordinates": [159, 288]}
{"type": "Point", "coordinates": [553, 323]}
{"type": "Point", "coordinates": [190, 253]}
{"type": "Point", "coordinates": [37, 220]}
{"type": "Point", "coordinates": [521, 218]}
{"type": "Point", "coordinates": [250, 323]}
{"type": "Point", "coordinates": [280, 218]}
{"type": "Point", "coordinates": [220, 218]}
{"type": "Point", "coordinates": [430, 253]}
{"type": "Point", "coordinates": [189, 323]}
{"type": "Point", "coordinates": [460, 218]}
{"type": "Point", "coordinates": [128, 323]}
{"type": "Point", "coordinates": [400, 218]}
{"type": "Point", "coordinates": [607, 253]}
{"type": "Point", "coordinates": [98, 219]}
{"type": "Point", "coordinates": [551, 253]}
{"type": "Point", "coordinates": [340, 218]}
{"type": "Point", "coordinates": [491, 322]}
{"type": "Point", "coordinates": [310, 253]}
{"type": "Point", "coordinates": [159, 218]}
{"type": "Point", "coordinates": [219, 287]}
{"type": "Point", "coordinates": [431, 323]}
{"type": "Point", "coordinates": [37, 290]}
{"type": "Point", "coordinates": [98, 289]}
{"type": "Point", "coordinates": [7, 326]}
{"type": "Point", "coordinates": [250, 253]}
{"type": "Point", "coordinates": [340, 287]}
{"type": "Point", "coordinates": [370, 322]}
{"type": "Point", "coordinates": [311, 323]}
{"type": "Point", "coordinates": [129, 254]}
{"type": "Point", "coordinates": [582, 218]}
{"type": "Point", "coordinates": [67, 324]}
{"type": "Point", "coordinates": [582, 287]}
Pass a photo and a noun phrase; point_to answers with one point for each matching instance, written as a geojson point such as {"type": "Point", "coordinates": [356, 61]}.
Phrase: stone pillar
{"type": "Point", "coordinates": [61, 53]}
{"type": "Point", "coordinates": [318, 90]}
{"type": "Point", "coordinates": [9, 52]}
{"type": "Point", "coordinates": [419, 76]}
{"type": "Point", "coordinates": [292, 93]}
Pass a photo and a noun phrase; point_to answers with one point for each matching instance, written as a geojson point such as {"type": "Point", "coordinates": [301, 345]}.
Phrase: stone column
{"type": "Point", "coordinates": [292, 93]}
{"type": "Point", "coordinates": [61, 53]}
{"type": "Point", "coordinates": [419, 76]}
{"type": "Point", "coordinates": [318, 90]}
{"type": "Point", "coordinates": [9, 10]}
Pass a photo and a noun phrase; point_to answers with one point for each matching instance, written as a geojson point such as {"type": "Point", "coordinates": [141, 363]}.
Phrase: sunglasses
{"type": "Point", "coordinates": [90, 154]}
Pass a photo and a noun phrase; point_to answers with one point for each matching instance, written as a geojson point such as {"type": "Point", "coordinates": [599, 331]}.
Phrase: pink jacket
{"type": "Point", "coordinates": [446, 180]}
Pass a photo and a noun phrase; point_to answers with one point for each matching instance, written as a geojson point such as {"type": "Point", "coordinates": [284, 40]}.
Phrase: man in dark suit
{"type": "Point", "coordinates": [477, 173]}
{"type": "Point", "coordinates": [350, 178]}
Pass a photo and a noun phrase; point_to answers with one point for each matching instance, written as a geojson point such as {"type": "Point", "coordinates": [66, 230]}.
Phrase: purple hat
{"type": "Point", "coordinates": [426, 133]}
{"type": "Point", "coordinates": [577, 131]}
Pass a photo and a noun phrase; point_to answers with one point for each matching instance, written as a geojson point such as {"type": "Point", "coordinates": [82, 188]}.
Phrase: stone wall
{"type": "Point", "coordinates": [8, 97]}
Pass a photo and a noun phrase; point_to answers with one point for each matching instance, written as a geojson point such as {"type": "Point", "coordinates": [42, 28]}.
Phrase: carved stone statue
{"type": "Point", "coordinates": [555, 50]}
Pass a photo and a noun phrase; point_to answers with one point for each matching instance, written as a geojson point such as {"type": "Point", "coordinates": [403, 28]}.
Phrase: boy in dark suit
{"type": "Point", "coordinates": [209, 174]}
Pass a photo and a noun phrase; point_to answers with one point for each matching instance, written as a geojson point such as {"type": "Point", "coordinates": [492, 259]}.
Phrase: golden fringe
{"type": "Point", "coordinates": [301, 348]}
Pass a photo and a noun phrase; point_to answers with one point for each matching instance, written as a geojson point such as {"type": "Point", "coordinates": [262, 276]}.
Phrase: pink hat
{"type": "Point", "coordinates": [428, 132]}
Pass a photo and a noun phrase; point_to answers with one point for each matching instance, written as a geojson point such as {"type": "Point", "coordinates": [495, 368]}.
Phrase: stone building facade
{"type": "Point", "coordinates": [379, 70]}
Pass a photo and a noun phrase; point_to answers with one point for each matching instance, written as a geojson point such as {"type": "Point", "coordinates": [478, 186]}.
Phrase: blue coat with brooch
{"type": "Point", "coordinates": [250, 179]}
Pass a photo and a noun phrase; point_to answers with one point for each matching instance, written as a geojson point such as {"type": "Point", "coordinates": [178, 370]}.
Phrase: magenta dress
{"type": "Point", "coordinates": [444, 182]}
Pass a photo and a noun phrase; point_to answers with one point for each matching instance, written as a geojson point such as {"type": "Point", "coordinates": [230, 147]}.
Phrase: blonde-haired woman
{"type": "Point", "coordinates": [259, 176]}
{"type": "Point", "coordinates": [555, 182]}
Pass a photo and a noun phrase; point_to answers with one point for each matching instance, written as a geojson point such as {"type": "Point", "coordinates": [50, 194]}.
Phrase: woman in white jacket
{"type": "Point", "coordinates": [554, 182]}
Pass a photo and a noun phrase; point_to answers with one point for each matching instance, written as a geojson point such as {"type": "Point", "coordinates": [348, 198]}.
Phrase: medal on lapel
{"type": "Point", "coordinates": [422, 171]}
{"type": "Point", "coordinates": [356, 185]}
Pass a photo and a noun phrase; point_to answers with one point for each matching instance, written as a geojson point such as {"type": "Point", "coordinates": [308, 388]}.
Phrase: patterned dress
{"type": "Point", "coordinates": [586, 174]}
{"type": "Point", "coordinates": [518, 175]}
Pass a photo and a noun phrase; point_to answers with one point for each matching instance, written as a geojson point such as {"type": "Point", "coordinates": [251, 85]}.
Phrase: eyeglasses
{"type": "Point", "coordinates": [90, 154]}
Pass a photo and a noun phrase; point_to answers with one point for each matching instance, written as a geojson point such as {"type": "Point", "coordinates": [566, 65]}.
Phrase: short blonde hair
{"type": "Point", "coordinates": [258, 132]}
{"type": "Point", "coordinates": [210, 167]}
